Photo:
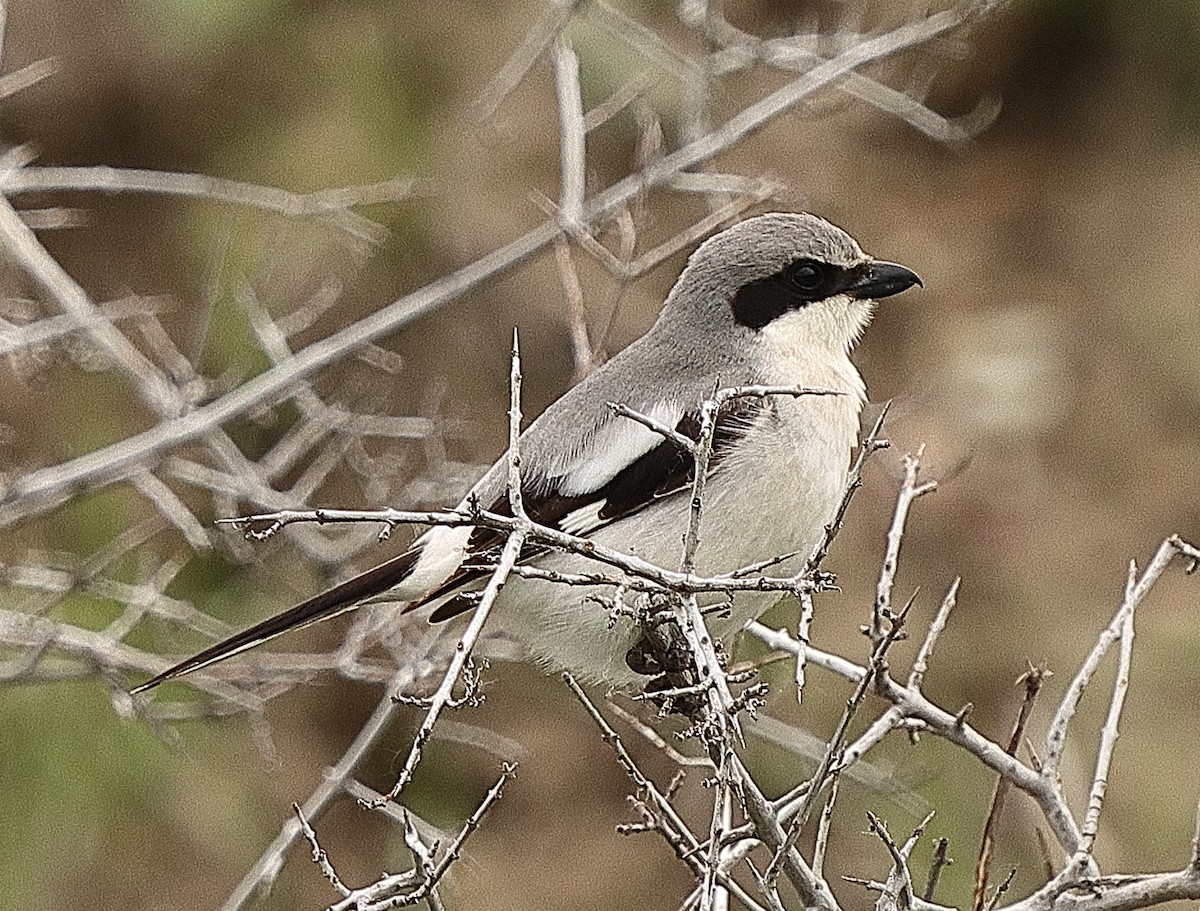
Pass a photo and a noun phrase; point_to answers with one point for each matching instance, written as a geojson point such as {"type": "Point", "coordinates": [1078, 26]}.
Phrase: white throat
{"type": "Point", "coordinates": [812, 347]}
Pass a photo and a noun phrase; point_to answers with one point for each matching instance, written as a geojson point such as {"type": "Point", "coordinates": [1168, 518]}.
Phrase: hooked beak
{"type": "Point", "coordinates": [880, 279]}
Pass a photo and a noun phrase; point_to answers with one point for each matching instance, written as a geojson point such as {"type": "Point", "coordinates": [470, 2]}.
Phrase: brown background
{"type": "Point", "coordinates": [1051, 365]}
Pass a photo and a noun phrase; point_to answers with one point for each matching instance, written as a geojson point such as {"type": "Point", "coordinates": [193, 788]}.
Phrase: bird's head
{"type": "Point", "coordinates": [788, 274]}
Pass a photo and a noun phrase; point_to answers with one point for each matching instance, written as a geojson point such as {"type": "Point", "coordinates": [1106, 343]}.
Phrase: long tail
{"type": "Point", "coordinates": [337, 600]}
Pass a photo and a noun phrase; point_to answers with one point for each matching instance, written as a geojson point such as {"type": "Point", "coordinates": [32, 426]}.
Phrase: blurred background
{"type": "Point", "coordinates": [1051, 367]}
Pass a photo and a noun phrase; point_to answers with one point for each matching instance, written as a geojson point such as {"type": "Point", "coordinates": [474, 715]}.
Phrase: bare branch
{"type": "Point", "coordinates": [24, 247]}
{"type": "Point", "coordinates": [1108, 733]}
{"type": "Point", "coordinates": [443, 697]}
{"type": "Point", "coordinates": [332, 206]}
{"type": "Point", "coordinates": [897, 894]}
{"type": "Point", "coordinates": [1057, 733]}
{"type": "Point", "coordinates": [867, 447]}
{"type": "Point", "coordinates": [911, 704]}
{"type": "Point", "coordinates": [670, 433]}
{"type": "Point", "coordinates": [917, 675]}
{"type": "Point", "coordinates": [572, 132]}
{"type": "Point", "coordinates": [833, 753]}
{"type": "Point", "coordinates": [454, 851]}
{"type": "Point", "coordinates": [1033, 679]}
{"type": "Point", "coordinates": [813, 889]}
{"type": "Point", "coordinates": [803, 625]}
{"type": "Point", "coordinates": [582, 353]}
{"type": "Point", "coordinates": [267, 868]}
{"type": "Point", "coordinates": [320, 858]}
{"type": "Point", "coordinates": [538, 37]}
{"type": "Point", "coordinates": [822, 842]}
{"type": "Point", "coordinates": [910, 490]}
{"type": "Point", "coordinates": [938, 863]}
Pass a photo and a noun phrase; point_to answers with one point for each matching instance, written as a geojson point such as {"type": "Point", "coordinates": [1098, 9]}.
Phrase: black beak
{"type": "Point", "coordinates": [878, 279]}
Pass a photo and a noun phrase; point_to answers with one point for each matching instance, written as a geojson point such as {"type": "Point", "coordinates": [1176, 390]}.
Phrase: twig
{"type": "Point", "coordinates": [1057, 732]}
{"type": "Point", "coordinates": [618, 101]}
{"type": "Point", "coordinates": [910, 490]}
{"type": "Point", "coordinates": [683, 442]}
{"type": "Point", "coordinates": [332, 206]}
{"type": "Point", "coordinates": [652, 737]}
{"type": "Point", "coordinates": [937, 863]}
{"type": "Point", "coordinates": [1108, 733]}
{"type": "Point", "coordinates": [320, 858]}
{"type": "Point", "coordinates": [894, 716]}
{"type": "Point", "coordinates": [1000, 890]}
{"type": "Point", "coordinates": [803, 625]}
{"type": "Point", "coordinates": [756, 192]}
{"type": "Point", "coordinates": [454, 851]}
{"type": "Point", "coordinates": [712, 896]}
{"type": "Point", "coordinates": [875, 667]}
{"type": "Point", "coordinates": [921, 664]}
{"type": "Point", "coordinates": [148, 380]}
{"type": "Point", "coordinates": [264, 871]}
{"type": "Point", "coordinates": [702, 450]}
{"type": "Point", "coordinates": [423, 860]}
{"type": "Point", "coordinates": [867, 447]}
{"type": "Point", "coordinates": [538, 37]}
{"type": "Point", "coordinates": [911, 704]}
{"type": "Point", "coordinates": [781, 640]}
{"type": "Point", "coordinates": [653, 578]}
{"type": "Point", "coordinates": [823, 826]}
{"type": "Point", "coordinates": [740, 49]}
{"type": "Point", "coordinates": [49, 329]}
{"type": "Point", "coordinates": [444, 695]}
{"type": "Point", "coordinates": [814, 891]}
{"type": "Point", "coordinates": [672, 827]}
{"type": "Point", "coordinates": [582, 353]}
{"type": "Point", "coordinates": [1033, 679]}
{"type": "Point", "coordinates": [420, 883]}
{"type": "Point", "coordinates": [898, 890]}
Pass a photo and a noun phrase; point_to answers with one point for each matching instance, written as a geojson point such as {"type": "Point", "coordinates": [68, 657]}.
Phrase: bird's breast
{"type": "Point", "coordinates": [781, 486]}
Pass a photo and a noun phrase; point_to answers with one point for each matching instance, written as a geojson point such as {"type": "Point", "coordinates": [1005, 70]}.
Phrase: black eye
{"type": "Point", "coordinates": [807, 276]}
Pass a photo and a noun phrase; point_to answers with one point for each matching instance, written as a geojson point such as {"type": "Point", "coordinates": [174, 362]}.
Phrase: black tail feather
{"type": "Point", "coordinates": [337, 600]}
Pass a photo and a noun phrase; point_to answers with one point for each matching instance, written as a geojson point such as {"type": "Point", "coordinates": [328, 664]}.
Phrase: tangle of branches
{"type": "Point", "coordinates": [751, 850]}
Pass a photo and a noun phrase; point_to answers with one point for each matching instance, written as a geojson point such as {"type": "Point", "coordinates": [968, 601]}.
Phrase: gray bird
{"type": "Point", "coordinates": [778, 300]}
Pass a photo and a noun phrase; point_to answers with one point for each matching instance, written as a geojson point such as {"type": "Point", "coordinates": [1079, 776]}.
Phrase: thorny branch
{"type": "Point", "coordinates": [1032, 680]}
{"type": "Point", "coordinates": [443, 696]}
{"type": "Point", "coordinates": [909, 705]}
{"type": "Point", "coordinates": [833, 760]}
{"type": "Point", "coordinates": [1078, 885]}
{"type": "Point", "coordinates": [270, 863]}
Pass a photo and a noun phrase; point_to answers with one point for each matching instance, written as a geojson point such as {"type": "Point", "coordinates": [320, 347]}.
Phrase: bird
{"type": "Point", "coordinates": [775, 299]}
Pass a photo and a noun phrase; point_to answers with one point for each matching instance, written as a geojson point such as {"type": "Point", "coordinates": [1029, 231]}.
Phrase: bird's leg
{"type": "Point", "coordinates": [662, 653]}
{"type": "Point", "coordinates": [676, 693]}
{"type": "Point", "coordinates": [662, 648]}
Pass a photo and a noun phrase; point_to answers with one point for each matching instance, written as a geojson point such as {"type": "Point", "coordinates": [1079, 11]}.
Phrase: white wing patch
{"type": "Point", "coordinates": [614, 446]}
{"type": "Point", "coordinates": [583, 519]}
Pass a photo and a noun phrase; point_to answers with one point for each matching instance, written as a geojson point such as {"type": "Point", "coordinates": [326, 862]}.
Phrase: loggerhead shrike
{"type": "Point", "coordinates": [777, 300]}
